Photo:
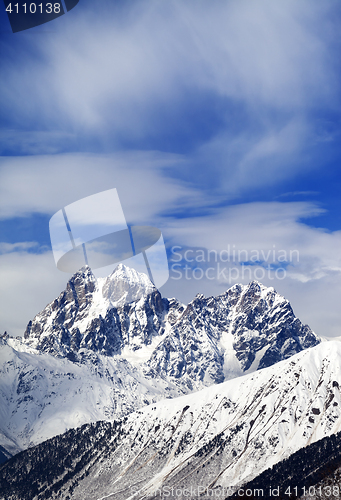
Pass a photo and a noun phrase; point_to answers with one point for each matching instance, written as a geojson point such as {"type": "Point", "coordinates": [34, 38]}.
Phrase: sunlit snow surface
{"type": "Point", "coordinates": [224, 435]}
{"type": "Point", "coordinates": [220, 437]}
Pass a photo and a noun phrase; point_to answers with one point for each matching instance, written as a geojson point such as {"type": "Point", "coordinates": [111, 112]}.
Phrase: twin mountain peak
{"type": "Point", "coordinates": [208, 341]}
{"type": "Point", "coordinates": [107, 347]}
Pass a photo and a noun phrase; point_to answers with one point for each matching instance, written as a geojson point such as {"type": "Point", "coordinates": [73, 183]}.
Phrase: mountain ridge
{"type": "Point", "coordinates": [84, 359]}
{"type": "Point", "coordinates": [219, 438]}
{"type": "Point", "coordinates": [89, 307]}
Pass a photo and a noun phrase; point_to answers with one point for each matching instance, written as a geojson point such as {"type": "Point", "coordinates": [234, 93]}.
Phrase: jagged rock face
{"type": "Point", "coordinates": [242, 323]}
{"type": "Point", "coordinates": [251, 319]}
{"type": "Point", "coordinates": [59, 317]}
{"type": "Point", "coordinates": [83, 317]}
{"type": "Point", "coordinates": [217, 439]}
{"type": "Point", "coordinates": [85, 359]}
{"type": "Point", "coordinates": [267, 319]}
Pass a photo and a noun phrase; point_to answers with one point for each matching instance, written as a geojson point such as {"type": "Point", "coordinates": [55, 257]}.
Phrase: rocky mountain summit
{"type": "Point", "coordinates": [252, 323]}
{"type": "Point", "coordinates": [106, 347]}
{"type": "Point", "coordinates": [87, 315]}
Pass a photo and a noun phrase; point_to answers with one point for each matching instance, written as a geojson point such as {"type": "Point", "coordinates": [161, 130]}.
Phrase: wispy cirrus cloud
{"type": "Point", "coordinates": [140, 74]}
{"type": "Point", "coordinates": [21, 246]}
{"type": "Point", "coordinates": [46, 183]}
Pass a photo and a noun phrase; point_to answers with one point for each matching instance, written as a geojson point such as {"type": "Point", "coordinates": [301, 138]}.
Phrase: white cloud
{"type": "Point", "coordinates": [244, 162]}
{"type": "Point", "coordinates": [312, 276]}
{"type": "Point", "coordinates": [28, 283]}
{"type": "Point", "coordinates": [33, 142]}
{"type": "Point", "coordinates": [17, 247]}
{"type": "Point", "coordinates": [119, 76]}
{"type": "Point", "coordinates": [264, 53]}
{"type": "Point", "coordinates": [49, 182]}
{"type": "Point", "coordinates": [106, 72]}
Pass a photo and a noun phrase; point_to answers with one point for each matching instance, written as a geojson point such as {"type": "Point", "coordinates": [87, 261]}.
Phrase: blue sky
{"type": "Point", "coordinates": [218, 122]}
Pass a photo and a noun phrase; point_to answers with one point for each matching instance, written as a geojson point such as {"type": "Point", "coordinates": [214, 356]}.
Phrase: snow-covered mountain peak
{"type": "Point", "coordinates": [82, 280]}
{"type": "Point", "coordinates": [125, 285]}
{"type": "Point", "coordinates": [137, 352]}
{"type": "Point", "coordinates": [254, 289]}
{"type": "Point", "coordinates": [245, 328]}
{"type": "Point", "coordinates": [130, 275]}
{"type": "Point", "coordinates": [255, 293]}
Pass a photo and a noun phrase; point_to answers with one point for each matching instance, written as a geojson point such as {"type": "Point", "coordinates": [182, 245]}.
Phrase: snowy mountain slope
{"type": "Point", "coordinates": [219, 437]}
{"type": "Point", "coordinates": [85, 358]}
{"type": "Point", "coordinates": [42, 396]}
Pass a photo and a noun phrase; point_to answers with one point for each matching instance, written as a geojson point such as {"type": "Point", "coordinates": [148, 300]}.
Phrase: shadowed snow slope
{"type": "Point", "coordinates": [219, 437]}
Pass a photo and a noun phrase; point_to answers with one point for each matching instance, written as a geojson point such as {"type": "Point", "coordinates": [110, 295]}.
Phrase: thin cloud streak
{"type": "Point", "coordinates": [44, 184]}
{"type": "Point", "coordinates": [273, 63]}
{"type": "Point", "coordinates": [114, 76]}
